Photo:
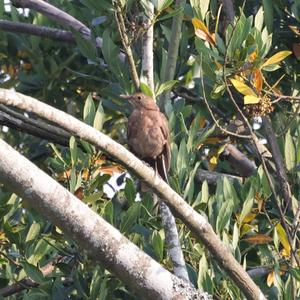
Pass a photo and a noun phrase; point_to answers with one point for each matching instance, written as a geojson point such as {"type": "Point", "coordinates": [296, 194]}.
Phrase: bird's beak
{"type": "Point", "coordinates": [128, 98]}
{"type": "Point", "coordinates": [125, 97]}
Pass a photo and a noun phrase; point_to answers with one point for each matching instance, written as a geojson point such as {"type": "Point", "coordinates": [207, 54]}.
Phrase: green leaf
{"type": "Point", "coordinates": [166, 86]}
{"type": "Point", "coordinates": [295, 272]}
{"type": "Point", "coordinates": [189, 191]}
{"type": "Point", "coordinates": [99, 117]}
{"type": "Point", "coordinates": [129, 219]}
{"type": "Point", "coordinates": [247, 206]}
{"type": "Point", "coordinates": [146, 89]}
{"type": "Point", "coordinates": [89, 110]}
{"type": "Point", "coordinates": [73, 150]}
{"type": "Point", "coordinates": [33, 232]}
{"type": "Point", "coordinates": [40, 250]}
{"type": "Point", "coordinates": [130, 191]}
{"type": "Point", "coordinates": [170, 15]}
{"type": "Point", "coordinates": [96, 285]}
{"type": "Point", "coordinates": [229, 191]}
{"type": "Point", "coordinates": [235, 236]}
{"type": "Point", "coordinates": [268, 14]}
{"type": "Point", "coordinates": [183, 127]}
{"type": "Point", "coordinates": [224, 214]}
{"type": "Point", "coordinates": [259, 19]}
{"type": "Point", "coordinates": [203, 269]}
{"type": "Point", "coordinates": [182, 157]}
{"type": "Point", "coordinates": [98, 5]}
{"type": "Point", "coordinates": [33, 272]}
{"type": "Point", "coordinates": [157, 242]}
{"type": "Point", "coordinates": [289, 151]}
{"type": "Point", "coordinates": [86, 47]}
{"type": "Point", "coordinates": [109, 212]}
{"type": "Point", "coordinates": [204, 192]}
{"type": "Point", "coordinates": [57, 153]}
{"type": "Point", "coordinates": [161, 4]}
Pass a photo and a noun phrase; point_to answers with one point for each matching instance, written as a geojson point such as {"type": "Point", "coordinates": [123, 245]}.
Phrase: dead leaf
{"type": "Point", "coordinates": [258, 239]}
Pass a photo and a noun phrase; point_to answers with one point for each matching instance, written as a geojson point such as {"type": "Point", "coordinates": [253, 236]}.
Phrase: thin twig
{"type": "Point", "coordinates": [125, 41]}
{"type": "Point", "coordinates": [212, 114]}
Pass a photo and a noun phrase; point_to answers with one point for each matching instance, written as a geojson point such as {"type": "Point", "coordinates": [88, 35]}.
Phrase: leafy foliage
{"type": "Point", "coordinates": [249, 57]}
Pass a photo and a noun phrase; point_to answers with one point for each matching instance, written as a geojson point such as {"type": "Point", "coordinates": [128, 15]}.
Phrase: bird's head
{"type": "Point", "coordinates": [140, 100]}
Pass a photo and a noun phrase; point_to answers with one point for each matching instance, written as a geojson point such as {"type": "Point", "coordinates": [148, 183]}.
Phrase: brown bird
{"type": "Point", "coordinates": [148, 133]}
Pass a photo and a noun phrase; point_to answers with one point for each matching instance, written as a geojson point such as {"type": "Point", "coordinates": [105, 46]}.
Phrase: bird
{"type": "Point", "coordinates": [148, 134]}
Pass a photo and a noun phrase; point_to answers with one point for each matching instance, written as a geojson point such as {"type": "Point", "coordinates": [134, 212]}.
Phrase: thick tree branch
{"type": "Point", "coordinates": [42, 31]}
{"type": "Point", "coordinates": [57, 15]}
{"type": "Point", "coordinates": [147, 59]}
{"type": "Point", "coordinates": [228, 6]}
{"type": "Point", "coordinates": [170, 68]}
{"type": "Point", "coordinates": [214, 177]}
{"type": "Point", "coordinates": [102, 241]}
{"type": "Point", "coordinates": [39, 128]}
{"type": "Point", "coordinates": [173, 242]}
{"type": "Point", "coordinates": [195, 222]}
{"type": "Point", "coordinates": [278, 160]}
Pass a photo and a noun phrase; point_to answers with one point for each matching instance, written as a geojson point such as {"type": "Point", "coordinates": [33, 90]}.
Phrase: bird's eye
{"type": "Point", "coordinates": [139, 97]}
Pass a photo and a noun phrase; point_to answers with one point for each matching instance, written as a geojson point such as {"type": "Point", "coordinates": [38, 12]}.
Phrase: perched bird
{"type": "Point", "coordinates": [148, 133]}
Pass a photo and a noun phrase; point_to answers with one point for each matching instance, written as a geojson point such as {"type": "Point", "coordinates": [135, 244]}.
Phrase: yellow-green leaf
{"type": "Point", "coordinates": [249, 99]}
{"type": "Point", "coordinates": [276, 58]}
{"type": "Point", "coordinates": [202, 32]}
{"type": "Point", "coordinates": [198, 24]}
{"type": "Point", "coordinates": [283, 238]}
{"type": "Point", "coordinates": [243, 88]}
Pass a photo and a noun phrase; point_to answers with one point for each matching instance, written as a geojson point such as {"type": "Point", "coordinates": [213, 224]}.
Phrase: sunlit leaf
{"type": "Point", "coordinates": [243, 88]}
{"type": "Point", "coordinates": [246, 228]}
{"type": "Point", "coordinates": [283, 238]}
{"type": "Point", "coordinates": [146, 89]}
{"type": "Point", "coordinates": [73, 150]}
{"type": "Point", "coordinates": [166, 86]}
{"type": "Point", "coordinates": [99, 117]}
{"type": "Point", "coordinates": [33, 232]}
{"type": "Point", "coordinates": [202, 32]}
{"type": "Point", "coordinates": [295, 273]}
{"type": "Point", "coordinates": [250, 99]}
{"type": "Point", "coordinates": [289, 151]}
{"type": "Point", "coordinates": [276, 58]}
{"type": "Point", "coordinates": [257, 80]}
{"type": "Point", "coordinates": [89, 110]}
{"type": "Point", "coordinates": [271, 278]}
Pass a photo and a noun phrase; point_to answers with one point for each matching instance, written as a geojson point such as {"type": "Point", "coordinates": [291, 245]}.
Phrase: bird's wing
{"type": "Point", "coordinates": [132, 124]}
{"type": "Point", "coordinates": [167, 150]}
